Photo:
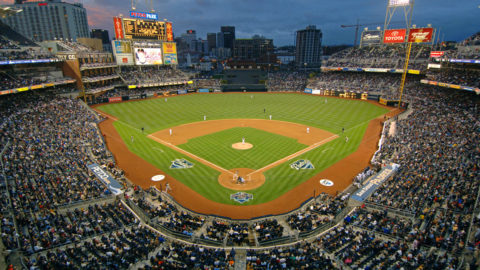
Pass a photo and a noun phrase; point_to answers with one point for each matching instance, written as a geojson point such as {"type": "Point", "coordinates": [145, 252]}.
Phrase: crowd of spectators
{"type": "Point", "coordinates": [465, 77]}
{"type": "Point", "coordinates": [385, 83]}
{"type": "Point", "coordinates": [301, 256]}
{"type": "Point", "coordinates": [151, 74]}
{"type": "Point", "coordinates": [383, 56]}
{"type": "Point", "coordinates": [183, 222]}
{"type": "Point", "coordinates": [7, 44]}
{"type": "Point", "coordinates": [286, 81]}
{"type": "Point", "coordinates": [472, 40]}
{"type": "Point", "coordinates": [179, 256]}
{"type": "Point", "coordinates": [268, 229]}
{"type": "Point", "coordinates": [307, 221]}
{"type": "Point", "coordinates": [48, 229]}
{"type": "Point", "coordinates": [115, 250]}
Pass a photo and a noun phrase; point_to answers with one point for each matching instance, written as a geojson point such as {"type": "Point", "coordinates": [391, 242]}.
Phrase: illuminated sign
{"type": "Point", "coordinates": [394, 36]}
{"type": "Point", "coordinates": [169, 31]}
{"type": "Point", "coordinates": [419, 35]}
{"type": "Point", "coordinates": [144, 15]}
{"type": "Point", "coordinates": [436, 54]}
{"type": "Point", "coordinates": [117, 23]}
{"type": "Point", "coordinates": [148, 56]}
{"type": "Point", "coordinates": [398, 3]}
{"type": "Point", "coordinates": [141, 29]}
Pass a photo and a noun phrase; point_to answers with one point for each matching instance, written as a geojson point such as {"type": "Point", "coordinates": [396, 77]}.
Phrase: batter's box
{"type": "Point", "coordinates": [302, 164]}
{"type": "Point", "coordinates": [181, 163]}
{"type": "Point", "coordinates": [241, 197]}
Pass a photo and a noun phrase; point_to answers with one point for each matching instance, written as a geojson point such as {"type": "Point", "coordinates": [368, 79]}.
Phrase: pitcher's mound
{"type": "Point", "coordinates": [242, 146]}
{"type": "Point", "coordinates": [250, 181]}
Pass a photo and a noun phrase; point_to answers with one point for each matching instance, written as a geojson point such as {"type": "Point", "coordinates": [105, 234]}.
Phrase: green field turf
{"type": "Point", "coordinates": [156, 114]}
{"type": "Point", "coordinates": [217, 148]}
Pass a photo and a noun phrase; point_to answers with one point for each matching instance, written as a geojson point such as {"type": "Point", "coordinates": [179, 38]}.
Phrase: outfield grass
{"type": "Point", "coordinates": [156, 114]}
{"type": "Point", "coordinates": [267, 148]}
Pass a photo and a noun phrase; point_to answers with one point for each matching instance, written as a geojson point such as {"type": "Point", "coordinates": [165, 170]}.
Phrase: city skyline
{"type": "Point", "coordinates": [279, 19]}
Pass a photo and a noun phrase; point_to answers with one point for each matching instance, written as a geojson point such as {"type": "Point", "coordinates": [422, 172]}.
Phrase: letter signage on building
{"type": "Point", "coordinates": [144, 15]}
{"type": "Point", "coordinates": [117, 23]}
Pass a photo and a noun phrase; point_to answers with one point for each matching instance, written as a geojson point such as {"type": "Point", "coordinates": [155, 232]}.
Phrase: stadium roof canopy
{"type": "Point", "coordinates": [9, 11]}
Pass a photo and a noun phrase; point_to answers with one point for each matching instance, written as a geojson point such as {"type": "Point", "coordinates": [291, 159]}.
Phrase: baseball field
{"type": "Point", "coordinates": [292, 139]}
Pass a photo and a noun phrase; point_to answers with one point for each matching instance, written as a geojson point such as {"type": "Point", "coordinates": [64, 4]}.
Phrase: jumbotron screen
{"type": "Point", "coordinates": [148, 56]}
{"type": "Point", "coordinates": [141, 29]}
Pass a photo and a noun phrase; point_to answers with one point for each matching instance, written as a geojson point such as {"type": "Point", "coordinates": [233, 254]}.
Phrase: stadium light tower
{"type": "Point", "coordinates": [134, 5]}
{"type": "Point", "coordinates": [406, 5]}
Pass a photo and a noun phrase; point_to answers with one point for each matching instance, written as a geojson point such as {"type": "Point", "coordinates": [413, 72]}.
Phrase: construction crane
{"type": "Point", "coordinates": [357, 25]}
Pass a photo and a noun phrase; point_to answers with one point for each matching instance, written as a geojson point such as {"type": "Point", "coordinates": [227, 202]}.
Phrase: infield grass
{"type": "Point", "coordinates": [331, 114]}
{"type": "Point", "coordinates": [267, 148]}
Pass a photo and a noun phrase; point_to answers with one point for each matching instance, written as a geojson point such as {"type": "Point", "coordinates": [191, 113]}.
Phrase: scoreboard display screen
{"type": "Point", "coordinates": [141, 29]}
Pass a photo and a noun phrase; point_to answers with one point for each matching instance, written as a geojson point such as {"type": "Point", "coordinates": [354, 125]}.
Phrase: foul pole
{"type": "Point", "coordinates": [405, 71]}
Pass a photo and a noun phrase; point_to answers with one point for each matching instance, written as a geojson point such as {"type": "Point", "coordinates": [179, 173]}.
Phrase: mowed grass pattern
{"type": "Point", "coordinates": [331, 114]}
{"type": "Point", "coordinates": [267, 148]}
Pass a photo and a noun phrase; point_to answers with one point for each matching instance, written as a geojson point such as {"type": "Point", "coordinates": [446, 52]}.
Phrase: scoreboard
{"type": "Point", "coordinates": [141, 29]}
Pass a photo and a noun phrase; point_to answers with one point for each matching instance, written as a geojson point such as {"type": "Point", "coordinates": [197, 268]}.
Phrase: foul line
{"type": "Point", "coordinates": [206, 162]}
{"type": "Point", "coordinates": [296, 154]}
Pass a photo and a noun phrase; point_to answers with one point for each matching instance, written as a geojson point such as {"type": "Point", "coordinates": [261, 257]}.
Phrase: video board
{"type": "Point", "coordinates": [141, 29]}
{"type": "Point", "coordinates": [148, 56]}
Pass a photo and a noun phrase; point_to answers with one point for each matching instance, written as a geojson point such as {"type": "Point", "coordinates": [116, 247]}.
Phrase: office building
{"type": "Point", "coordinates": [212, 41]}
{"type": "Point", "coordinates": [308, 48]}
{"type": "Point", "coordinates": [228, 36]}
{"type": "Point", "coordinates": [258, 49]}
{"type": "Point", "coordinates": [49, 20]}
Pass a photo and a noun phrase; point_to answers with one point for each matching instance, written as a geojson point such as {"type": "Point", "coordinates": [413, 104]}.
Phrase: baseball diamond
{"type": "Point", "coordinates": [264, 169]}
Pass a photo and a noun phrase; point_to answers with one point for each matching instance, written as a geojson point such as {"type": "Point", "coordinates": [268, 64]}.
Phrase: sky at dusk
{"type": "Point", "coordinates": [279, 19]}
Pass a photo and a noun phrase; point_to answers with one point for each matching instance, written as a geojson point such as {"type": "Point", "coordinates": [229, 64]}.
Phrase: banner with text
{"type": "Point", "coordinates": [394, 36]}
{"type": "Point", "coordinates": [419, 35]}
{"type": "Point", "coordinates": [106, 179]}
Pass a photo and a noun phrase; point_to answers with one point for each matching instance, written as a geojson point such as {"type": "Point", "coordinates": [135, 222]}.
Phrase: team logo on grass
{"type": "Point", "coordinates": [302, 164]}
{"type": "Point", "coordinates": [181, 163]}
{"type": "Point", "coordinates": [241, 197]}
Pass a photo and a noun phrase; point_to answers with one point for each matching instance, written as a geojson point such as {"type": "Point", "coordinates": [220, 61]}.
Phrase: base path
{"type": "Point", "coordinates": [140, 171]}
{"type": "Point", "coordinates": [181, 134]}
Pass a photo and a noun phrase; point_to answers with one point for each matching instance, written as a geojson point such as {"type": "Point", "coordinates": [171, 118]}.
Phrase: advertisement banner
{"type": "Point", "coordinates": [106, 179]}
{"type": "Point", "coordinates": [22, 89]}
{"type": "Point", "coordinates": [434, 66]}
{"type": "Point", "coordinates": [420, 35]}
{"type": "Point", "coordinates": [182, 92]}
{"type": "Point", "coordinates": [5, 92]}
{"type": "Point", "coordinates": [413, 71]}
{"type": "Point", "coordinates": [308, 90]}
{"type": "Point", "coordinates": [203, 90]}
{"type": "Point", "coordinates": [169, 31]}
{"type": "Point", "coordinates": [170, 53]}
{"type": "Point", "coordinates": [115, 99]}
{"type": "Point", "coordinates": [122, 46]}
{"type": "Point", "coordinates": [148, 56]}
{"type": "Point", "coordinates": [117, 24]}
{"type": "Point", "coordinates": [365, 191]}
{"type": "Point", "coordinates": [371, 37]}
{"type": "Point", "coordinates": [436, 54]}
{"type": "Point", "coordinates": [394, 36]}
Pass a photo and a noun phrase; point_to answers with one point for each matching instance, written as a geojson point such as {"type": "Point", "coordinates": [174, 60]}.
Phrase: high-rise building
{"type": "Point", "coordinates": [212, 41]}
{"type": "Point", "coordinates": [228, 36]}
{"type": "Point", "coordinates": [49, 20]}
{"type": "Point", "coordinates": [101, 34]}
{"type": "Point", "coordinates": [258, 49]}
{"type": "Point", "coordinates": [190, 38]}
{"type": "Point", "coordinates": [308, 47]}
{"type": "Point", "coordinates": [220, 40]}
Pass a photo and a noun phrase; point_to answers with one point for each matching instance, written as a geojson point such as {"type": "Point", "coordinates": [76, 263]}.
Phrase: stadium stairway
{"type": "Point", "coordinates": [240, 259]}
